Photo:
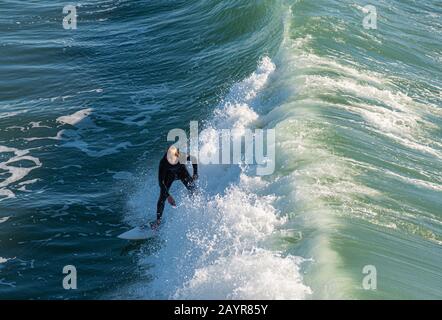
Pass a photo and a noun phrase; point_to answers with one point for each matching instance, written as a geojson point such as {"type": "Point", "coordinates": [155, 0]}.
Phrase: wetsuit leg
{"type": "Point", "coordinates": [186, 179]}
{"type": "Point", "coordinates": [163, 196]}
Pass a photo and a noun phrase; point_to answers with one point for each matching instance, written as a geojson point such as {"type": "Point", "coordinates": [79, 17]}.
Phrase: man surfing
{"type": "Point", "coordinates": [173, 167]}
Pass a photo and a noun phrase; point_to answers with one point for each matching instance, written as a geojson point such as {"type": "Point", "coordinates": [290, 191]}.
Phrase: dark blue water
{"type": "Point", "coordinates": [84, 116]}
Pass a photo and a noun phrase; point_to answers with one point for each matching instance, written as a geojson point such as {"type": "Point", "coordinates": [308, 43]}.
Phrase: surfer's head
{"type": "Point", "coordinates": [173, 154]}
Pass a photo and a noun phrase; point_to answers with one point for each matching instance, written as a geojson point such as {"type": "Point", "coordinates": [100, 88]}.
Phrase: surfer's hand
{"type": "Point", "coordinates": [195, 177]}
{"type": "Point", "coordinates": [171, 200]}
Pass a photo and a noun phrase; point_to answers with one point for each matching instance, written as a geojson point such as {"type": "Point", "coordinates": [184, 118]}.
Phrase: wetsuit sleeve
{"type": "Point", "coordinates": [162, 178]}
{"type": "Point", "coordinates": [194, 163]}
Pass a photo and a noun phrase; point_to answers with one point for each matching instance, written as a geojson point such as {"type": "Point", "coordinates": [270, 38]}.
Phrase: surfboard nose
{"type": "Point", "coordinates": [138, 233]}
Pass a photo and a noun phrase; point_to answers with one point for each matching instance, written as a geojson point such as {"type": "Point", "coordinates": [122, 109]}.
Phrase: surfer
{"type": "Point", "coordinates": [173, 167]}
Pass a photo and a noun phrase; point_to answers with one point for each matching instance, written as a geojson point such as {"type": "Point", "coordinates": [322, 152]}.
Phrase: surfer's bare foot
{"type": "Point", "coordinates": [156, 224]}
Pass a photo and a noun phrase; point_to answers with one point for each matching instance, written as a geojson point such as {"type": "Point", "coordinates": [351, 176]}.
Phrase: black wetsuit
{"type": "Point", "coordinates": [167, 174]}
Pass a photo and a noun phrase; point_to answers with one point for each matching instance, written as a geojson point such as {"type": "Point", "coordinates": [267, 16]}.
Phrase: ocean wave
{"type": "Point", "coordinates": [215, 246]}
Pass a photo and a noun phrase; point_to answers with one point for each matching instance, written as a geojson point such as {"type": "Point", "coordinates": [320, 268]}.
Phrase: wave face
{"type": "Point", "coordinates": [85, 114]}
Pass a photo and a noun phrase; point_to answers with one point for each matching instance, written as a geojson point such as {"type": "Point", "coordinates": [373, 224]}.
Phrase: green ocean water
{"type": "Point", "coordinates": [84, 116]}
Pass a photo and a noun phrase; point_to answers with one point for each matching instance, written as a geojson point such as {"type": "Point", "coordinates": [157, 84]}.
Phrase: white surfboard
{"type": "Point", "coordinates": [138, 233]}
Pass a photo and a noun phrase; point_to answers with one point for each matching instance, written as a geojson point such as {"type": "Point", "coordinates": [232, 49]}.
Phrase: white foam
{"type": "Point", "coordinates": [416, 182]}
{"type": "Point", "coordinates": [58, 136]}
{"type": "Point", "coordinates": [247, 90]}
{"type": "Point", "coordinates": [37, 124]}
{"type": "Point", "coordinates": [6, 194]}
{"type": "Point", "coordinates": [3, 260]}
{"type": "Point", "coordinates": [236, 111]}
{"type": "Point", "coordinates": [75, 118]}
{"type": "Point", "coordinates": [214, 250]}
{"type": "Point", "coordinates": [240, 114]}
{"type": "Point", "coordinates": [16, 173]}
{"type": "Point", "coordinates": [23, 185]}
{"type": "Point", "coordinates": [84, 146]}
{"type": "Point", "coordinates": [390, 112]}
{"type": "Point", "coordinates": [4, 219]}
{"type": "Point", "coordinates": [262, 275]}
{"type": "Point", "coordinates": [28, 182]}
{"type": "Point", "coordinates": [395, 100]}
{"type": "Point", "coordinates": [9, 114]}
{"type": "Point", "coordinates": [84, 127]}
{"type": "Point", "coordinates": [99, 90]}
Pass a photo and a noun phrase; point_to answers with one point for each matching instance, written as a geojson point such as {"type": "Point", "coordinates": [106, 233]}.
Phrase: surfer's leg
{"type": "Point", "coordinates": [187, 180]}
{"type": "Point", "coordinates": [160, 205]}
{"type": "Point", "coordinates": [163, 197]}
